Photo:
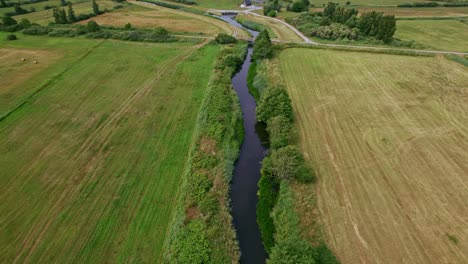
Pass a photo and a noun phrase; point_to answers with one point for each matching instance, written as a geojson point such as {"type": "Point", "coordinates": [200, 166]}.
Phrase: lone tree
{"type": "Point", "coordinates": [71, 13]}
{"type": "Point", "coordinates": [95, 8]}
{"type": "Point", "coordinates": [3, 3]}
{"type": "Point", "coordinates": [92, 26]}
{"type": "Point", "coordinates": [262, 48]}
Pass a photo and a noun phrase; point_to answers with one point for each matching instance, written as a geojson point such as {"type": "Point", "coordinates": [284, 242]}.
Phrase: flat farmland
{"type": "Point", "coordinates": [419, 12]}
{"type": "Point", "coordinates": [44, 17]}
{"type": "Point", "coordinates": [388, 137]}
{"type": "Point", "coordinates": [145, 17]}
{"type": "Point", "coordinates": [449, 35]}
{"type": "Point", "coordinates": [91, 165]}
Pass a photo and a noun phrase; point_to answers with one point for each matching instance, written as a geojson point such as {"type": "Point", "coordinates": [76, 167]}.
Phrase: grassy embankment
{"type": "Point", "coordinates": [94, 161]}
{"type": "Point", "coordinates": [387, 135]}
{"type": "Point", "coordinates": [202, 230]}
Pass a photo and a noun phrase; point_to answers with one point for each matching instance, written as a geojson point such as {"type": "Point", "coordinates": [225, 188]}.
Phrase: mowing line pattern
{"type": "Point", "coordinates": [388, 136]}
{"type": "Point", "coordinates": [106, 177]}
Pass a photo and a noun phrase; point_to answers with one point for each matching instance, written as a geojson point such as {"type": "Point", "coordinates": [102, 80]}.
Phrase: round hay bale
{"type": "Point", "coordinates": [23, 59]}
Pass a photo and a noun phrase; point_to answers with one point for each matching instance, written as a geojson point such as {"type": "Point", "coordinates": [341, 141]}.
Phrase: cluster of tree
{"type": "Point", "coordinates": [271, 8]}
{"type": "Point", "coordinates": [3, 3]}
{"type": "Point", "coordinates": [262, 49]}
{"type": "Point", "coordinates": [378, 25]}
{"type": "Point", "coordinates": [64, 17]}
{"type": "Point", "coordinates": [298, 6]}
{"type": "Point", "coordinates": [434, 4]}
{"type": "Point", "coordinates": [9, 24]}
{"type": "Point", "coordinates": [223, 38]}
{"type": "Point", "coordinates": [337, 22]}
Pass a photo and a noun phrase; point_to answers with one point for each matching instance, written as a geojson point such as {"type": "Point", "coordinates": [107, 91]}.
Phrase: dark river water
{"type": "Point", "coordinates": [244, 184]}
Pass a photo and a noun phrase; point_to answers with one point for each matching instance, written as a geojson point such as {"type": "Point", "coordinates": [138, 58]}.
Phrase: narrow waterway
{"type": "Point", "coordinates": [244, 184]}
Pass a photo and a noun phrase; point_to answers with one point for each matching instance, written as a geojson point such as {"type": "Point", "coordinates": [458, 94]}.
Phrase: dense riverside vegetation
{"type": "Point", "coordinates": [202, 230]}
{"type": "Point", "coordinates": [276, 215]}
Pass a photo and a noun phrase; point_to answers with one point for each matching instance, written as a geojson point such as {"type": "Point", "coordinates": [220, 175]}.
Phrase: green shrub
{"type": "Point", "coordinates": [293, 251]}
{"type": "Point", "coordinates": [274, 102]}
{"type": "Point", "coordinates": [262, 48]}
{"type": "Point", "coordinates": [222, 38]}
{"type": "Point", "coordinates": [198, 185]}
{"type": "Point", "coordinates": [335, 31]}
{"type": "Point", "coordinates": [11, 37]}
{"type": "Point", "coordinates": [192, 244]}
{"type": "Point", "coordinates": [287, 163]}
{"type": "Point", "coordinates": [37, 30]}
{"type": "Point", "coordinates": [268, 188]}
{"type": "Point", "coordinates": [279, 128]}
{"type": "Point", "coordinates": [232, 61]}
{"type": "Point", "coordinates": [92, 26]}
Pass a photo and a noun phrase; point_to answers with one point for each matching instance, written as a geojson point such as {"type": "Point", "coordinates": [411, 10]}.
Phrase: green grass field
{"type": "Point", "coordinates": [388, 137]}
{"type": "Point", "coordinates": [91, 165]}
{"type": "Point", "coordinates": [449, 35]}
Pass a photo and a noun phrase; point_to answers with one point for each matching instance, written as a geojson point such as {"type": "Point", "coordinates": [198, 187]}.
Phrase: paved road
{"type": "Point", "coordinates": [308, 41]}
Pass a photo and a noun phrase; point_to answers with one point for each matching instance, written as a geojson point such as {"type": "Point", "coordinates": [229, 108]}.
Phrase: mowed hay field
{"type": "Point", "coordinates": [449, 35]}
{"type": "Point", "coordinates": [144, 17]}
{"type": "Point", "coordinates": [388, 137]}
{"type": "Point", "coordinates": [91, 165]}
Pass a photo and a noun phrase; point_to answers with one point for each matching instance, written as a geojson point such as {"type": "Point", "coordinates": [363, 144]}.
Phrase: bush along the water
{"type": "Point", "coordinates": [223, 38]}
{"type": "Point", "coordinates": [283, 167]}
{"type": "Point", "coordinates": [202, 230]}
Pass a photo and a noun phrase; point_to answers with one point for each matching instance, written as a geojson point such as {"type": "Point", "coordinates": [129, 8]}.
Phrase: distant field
{"type": "Point", "coordinates": [388, 136]}
{"type": "Point", "coordinates": [280, 31]}
{"type": "Point", "coordinates": [219, 4]}
{"type": "Point", "coordinates": [450, 35]}
{"type": "Point", "coordinates": [91, 166]}
{"type": "Point", "coordinates": [38, 6]}
{"type": "Point", "coordinates": [220, 25]}
{"type": "Point", "coordinates": [144, 17]}
{"type": "Point", "coordinates": [419, 12]}
{"type": "Point", "coordinates": [367, 2]}
{"type": "Point", "coordinates": [43, 17]}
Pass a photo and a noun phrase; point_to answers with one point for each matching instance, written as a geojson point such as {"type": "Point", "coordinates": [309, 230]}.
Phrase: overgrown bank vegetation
{"type": "Point", "coordinates": [276, 214]}
{"type": "Point", "coordinates": [202, 230]}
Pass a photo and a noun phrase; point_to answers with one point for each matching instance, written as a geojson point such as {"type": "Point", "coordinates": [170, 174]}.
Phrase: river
{"type": "Point", "coordinates": [244, 184]}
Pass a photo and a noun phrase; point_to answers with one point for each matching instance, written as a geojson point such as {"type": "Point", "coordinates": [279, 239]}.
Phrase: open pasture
{"type": "Point", "coordinates": [144, 17]}
{"type": "Point", "coordinates": [388, 138]}
{"type": "Point", "coordinates": [92, 165]}
{"type": "Point", "coordinates": [449, 35]}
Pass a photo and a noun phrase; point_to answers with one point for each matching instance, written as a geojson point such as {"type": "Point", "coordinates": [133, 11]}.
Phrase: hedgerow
{"type": "Point", "coordinates": [205, 192]}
